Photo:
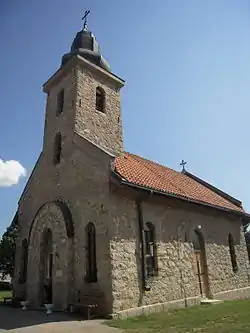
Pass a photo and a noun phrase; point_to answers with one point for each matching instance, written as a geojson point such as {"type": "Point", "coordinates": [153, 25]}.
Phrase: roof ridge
{"type": "Point", "coordinates": [215, 189]}
{"type": "Point", "coordinates": [146, 159]}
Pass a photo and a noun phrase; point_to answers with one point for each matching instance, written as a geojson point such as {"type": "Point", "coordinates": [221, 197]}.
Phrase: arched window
{"type": "Point", "coordinates": [24, 261]}
{"type": "Point", "coordinates": [100, 99]}
{"type": "Point", "coordinates": [57, 148]}
{"type": "Point", "coordinates": [232, 253]}
{"type": "Point", "coordinates": [48, 248]}
{"type": "Point", "coordinates": [91, 267]}
{"type": "Point", "coordinates": [197, 241]}
{"type": "Point", "coordinates": [60, 102]}
{"type": "Point", "coordinates": [149, 232]}
{"type": "Point", "coordinates": [47, 256]}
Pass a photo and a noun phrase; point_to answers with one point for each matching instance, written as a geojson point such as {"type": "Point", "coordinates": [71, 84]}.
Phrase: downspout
{"type": "Point", "coordinates": [142, 247]}
{"type": "Point", "coordinates": [183, 287]}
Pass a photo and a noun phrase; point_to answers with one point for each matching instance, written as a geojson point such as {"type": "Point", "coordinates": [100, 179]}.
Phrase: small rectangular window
{"type": "Point", "coordinates": [60, 102]}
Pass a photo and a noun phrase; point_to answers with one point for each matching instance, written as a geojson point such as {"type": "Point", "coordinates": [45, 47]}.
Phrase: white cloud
{"type": "Point", "coordinates": [10, 173]}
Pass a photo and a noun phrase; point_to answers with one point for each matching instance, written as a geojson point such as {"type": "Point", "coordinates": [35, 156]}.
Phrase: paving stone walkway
{"type": "Point", "coordinates": [18, 321]}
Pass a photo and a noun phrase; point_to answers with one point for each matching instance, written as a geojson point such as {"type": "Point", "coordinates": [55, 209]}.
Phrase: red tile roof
{"type": "Point", "coordinates": [139, 171]}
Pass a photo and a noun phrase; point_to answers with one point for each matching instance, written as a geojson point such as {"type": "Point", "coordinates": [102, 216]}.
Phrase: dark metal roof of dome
{"type": "Point", "coordinates": [85, 45]}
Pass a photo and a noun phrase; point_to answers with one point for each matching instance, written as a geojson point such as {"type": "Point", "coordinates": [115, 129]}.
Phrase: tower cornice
{"type": "Point", "coordinates": [78, 60]}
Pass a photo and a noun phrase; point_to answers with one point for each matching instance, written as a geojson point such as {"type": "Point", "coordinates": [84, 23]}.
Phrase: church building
{"type": "Point", "coordinates": [95, 220]}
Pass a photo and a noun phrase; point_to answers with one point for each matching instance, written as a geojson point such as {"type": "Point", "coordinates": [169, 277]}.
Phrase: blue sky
{"type": "Point", "coordinates": [186, 66]}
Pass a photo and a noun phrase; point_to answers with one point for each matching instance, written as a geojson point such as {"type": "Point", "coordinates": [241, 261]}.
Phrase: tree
{"type": "Point", "coordinates": [7, 250]}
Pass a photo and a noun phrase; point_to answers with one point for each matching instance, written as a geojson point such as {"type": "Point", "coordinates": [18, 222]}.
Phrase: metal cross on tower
{"type": "Point", "coordinates": [85, 18]}
{"type": "Point", "coordinates": [183, 163]}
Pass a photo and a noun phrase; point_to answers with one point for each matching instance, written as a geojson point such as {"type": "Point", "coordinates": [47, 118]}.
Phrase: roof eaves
{"type": "Point", "coordinates": [169, 194]}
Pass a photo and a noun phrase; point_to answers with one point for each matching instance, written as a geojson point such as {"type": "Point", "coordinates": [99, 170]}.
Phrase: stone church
{"type": "Point", "coordinates": [96, 220]}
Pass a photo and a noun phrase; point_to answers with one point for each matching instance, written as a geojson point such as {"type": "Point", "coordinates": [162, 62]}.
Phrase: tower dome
{"type": "Point", "coordinates": [85, 45]}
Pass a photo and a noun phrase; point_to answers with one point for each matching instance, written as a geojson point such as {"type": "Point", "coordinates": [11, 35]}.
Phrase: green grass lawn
{"type": "Point", "coordinates": [228, 317]}
{"type": "Point", "coordinates": [6, 293]}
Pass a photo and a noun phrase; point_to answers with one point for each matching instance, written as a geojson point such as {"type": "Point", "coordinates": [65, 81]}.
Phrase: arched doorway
{"type": "Point", "coordinates": [50, 276]}
{"type": "Point", "coordinates": [201, 263]}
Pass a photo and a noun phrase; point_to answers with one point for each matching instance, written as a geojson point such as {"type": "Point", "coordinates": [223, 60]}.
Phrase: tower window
{"type": "Point", "coordinates": [100, 99]}
{"type": "Point", "coordinates": [149, 233]}
{"type": "Point", "coordinates": [232, 253]}
{"type": "Point", "coordinates": [57, 148]}
{"type": "Point", "coordinates": [91, 267]}
{"type": "Point", "coordinates": [60, 102]}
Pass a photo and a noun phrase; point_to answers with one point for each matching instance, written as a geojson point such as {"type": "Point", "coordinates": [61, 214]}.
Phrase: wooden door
{"type": "Point", "coordinates": [201, 273]}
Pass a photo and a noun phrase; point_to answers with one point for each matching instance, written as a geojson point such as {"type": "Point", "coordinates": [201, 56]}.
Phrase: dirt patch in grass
{"type": "Point", "coordinates": [228, 317]}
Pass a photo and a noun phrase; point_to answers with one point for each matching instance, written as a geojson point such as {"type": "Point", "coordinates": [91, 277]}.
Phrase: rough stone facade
{"type": "Point", "coordinates": [95, 125]}
{"type": "Point", "coordinates": [82, 184]}
{"type": "Point", "coordinates": [176, 280]}
{"type": "Point", "coordinates": [90, 172]}
{"type": "Point", "coordinates": [50, 216]}
{"type": "Point", "coordinates": [81, 181]}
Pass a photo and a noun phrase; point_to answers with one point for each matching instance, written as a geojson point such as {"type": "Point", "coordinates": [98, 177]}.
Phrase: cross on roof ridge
{"type": "Point", "coordinates": [183, 163]}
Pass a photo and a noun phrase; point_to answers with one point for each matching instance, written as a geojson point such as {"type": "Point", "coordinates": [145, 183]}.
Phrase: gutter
{"type": "Point", "coordinates": [176, 196]}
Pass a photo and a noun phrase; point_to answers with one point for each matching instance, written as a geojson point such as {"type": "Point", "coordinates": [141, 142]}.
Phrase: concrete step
{"type": "Point", "coordinates": [207, 301]}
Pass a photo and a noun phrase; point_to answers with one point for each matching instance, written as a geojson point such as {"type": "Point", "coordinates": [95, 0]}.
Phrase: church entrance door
{"type": "Point", "coordinates": [201, 264]}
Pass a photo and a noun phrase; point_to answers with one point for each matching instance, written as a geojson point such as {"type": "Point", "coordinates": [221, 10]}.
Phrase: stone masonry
{"type": "Point", "coordinates": [83, 186]}
{"type": "Point", "coordinates": [176, 278]}
{"type": "Point", "coordinates": [96, 126]}
{"type": "Point", "coordinates": [84, 166]}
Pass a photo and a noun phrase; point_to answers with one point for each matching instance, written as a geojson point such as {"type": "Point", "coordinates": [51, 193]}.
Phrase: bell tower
{"type": "Point", "coordinates": [94, 110]}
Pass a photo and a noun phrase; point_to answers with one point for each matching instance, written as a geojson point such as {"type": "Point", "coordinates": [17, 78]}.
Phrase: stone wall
{"type": "Point", "coordinates": [176, 277]}
{"type": "Point", "coordinates": [80, 180]}
{"type": "Point", "coordinates": [63, 122]}
{"type": "Point", "coordinates": [85, 192]}
{"type": "Point", "coordinates": [102, 128]}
